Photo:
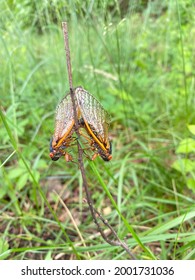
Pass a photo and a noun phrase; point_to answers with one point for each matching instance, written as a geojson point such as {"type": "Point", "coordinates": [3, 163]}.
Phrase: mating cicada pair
{"type": "Point", "coordinates": [92, 118]}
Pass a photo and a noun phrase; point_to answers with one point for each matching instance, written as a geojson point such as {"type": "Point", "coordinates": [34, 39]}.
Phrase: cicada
{"type": "Point", "coordinates": [91, 116]}
{"type": "Point", "coordinates": [96, 122]}
{"type": "Point", "coordinates": [64, 129]}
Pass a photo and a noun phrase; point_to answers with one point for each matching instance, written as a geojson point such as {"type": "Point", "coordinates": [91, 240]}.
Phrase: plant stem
{"type": "Point", "coordinates": [94, 212]}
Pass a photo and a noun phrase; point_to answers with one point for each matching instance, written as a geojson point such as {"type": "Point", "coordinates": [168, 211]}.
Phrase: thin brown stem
{"type": "Point", "coordinates": [67, 50]}
{"type": "Point", "coordinates": [118, 242]}
{"type": "Point", "coordinates": [69, 68]}
{"type": "Point", "coordinates": [115, 243]}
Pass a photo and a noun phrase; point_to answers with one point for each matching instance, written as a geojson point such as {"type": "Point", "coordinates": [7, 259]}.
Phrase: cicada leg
{"type": "Point", "coordinates": [67, 157]}
{"type": "Point", "coordinates": [94, 156]}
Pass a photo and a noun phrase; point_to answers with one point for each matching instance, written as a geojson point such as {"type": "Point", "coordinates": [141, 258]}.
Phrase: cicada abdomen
{"type": "Point", "coordinates": [95, 121]}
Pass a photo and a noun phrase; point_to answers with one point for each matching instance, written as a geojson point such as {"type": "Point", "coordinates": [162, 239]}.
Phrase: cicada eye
{"type": "Point", "coordinates": [109, 157]}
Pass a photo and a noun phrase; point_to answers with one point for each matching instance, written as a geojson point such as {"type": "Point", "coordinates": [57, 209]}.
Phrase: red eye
{"type": "Point", "coordinates": [51, 155]}
{"type": "Point", "coordinates": [109, 157]}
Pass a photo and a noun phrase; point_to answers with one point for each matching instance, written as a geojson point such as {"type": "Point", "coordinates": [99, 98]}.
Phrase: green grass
{"type": "Point", "coordinates": [138, 61]}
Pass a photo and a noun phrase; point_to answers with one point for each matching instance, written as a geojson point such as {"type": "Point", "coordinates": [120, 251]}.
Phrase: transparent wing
{"type": "Point", "coordinates": [64, 118]}
{"type": "Point", "coordinates": [93, 113]}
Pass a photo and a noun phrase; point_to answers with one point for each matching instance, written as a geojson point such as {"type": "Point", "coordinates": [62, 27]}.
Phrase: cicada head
{"type": "Point", "coordinates": [54, 154]}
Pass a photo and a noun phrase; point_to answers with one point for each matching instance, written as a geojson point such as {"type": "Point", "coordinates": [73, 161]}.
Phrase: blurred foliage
{"type": "Point", "coordinates": [137, 58]}
{"type": "Point", "coordinates": [38, 14]}
{"type": "Point", "coordinates": [185, 163]}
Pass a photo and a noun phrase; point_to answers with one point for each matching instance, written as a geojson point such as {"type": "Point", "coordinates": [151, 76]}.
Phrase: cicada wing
{"type": "Point", "coordinates": [64, 119]}
{"type": "Point", "coordinates": [93, 113]}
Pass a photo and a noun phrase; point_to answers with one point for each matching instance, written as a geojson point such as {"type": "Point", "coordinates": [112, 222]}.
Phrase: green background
{"type": "Point", "coordinates": [137, 58]}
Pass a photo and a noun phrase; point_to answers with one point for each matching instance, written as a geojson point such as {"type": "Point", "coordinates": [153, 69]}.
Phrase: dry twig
{"type": "Point", "coordinates": [93, 211]}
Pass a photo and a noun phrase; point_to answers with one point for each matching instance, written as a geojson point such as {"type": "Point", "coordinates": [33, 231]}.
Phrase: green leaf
{"type": "Point", "coordinates": [191, 184]}
{"type": "Point", "coordinates": [48, 256]}
{"type": "Point", "coordinates": [36, 175]}
{"type": "Point", "coordinates": [191, 128]}
{"type": "Point", "coordinates": [4, 246]}
{"type": "Point", "coordinates": [173, 223]}
{"type": "Point", "coordinates": [22, 181]}
{"type": "Point", "coordinates": [16, 172]}
{"type": "Point", "coordinates": [184, 165]}
{"type": "Point", "coordinates": [2, 192]}
{"type": "Point", "coordinates": [186, 146]}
